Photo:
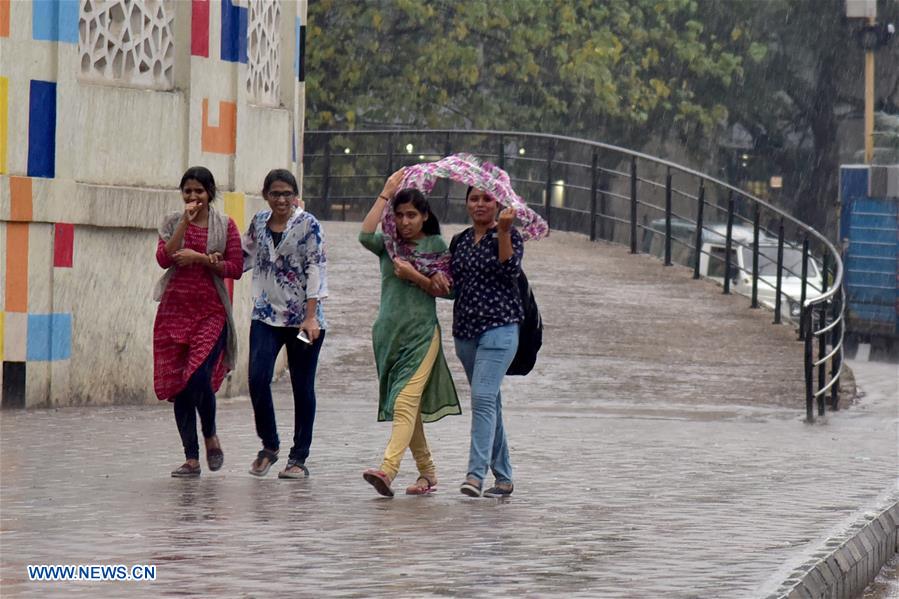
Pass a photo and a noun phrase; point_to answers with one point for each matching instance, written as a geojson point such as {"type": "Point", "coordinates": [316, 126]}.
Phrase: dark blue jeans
{"type": "Point", "coordinates": [302, 359]}
{"type": "Point", "coordinates": [198, 397]}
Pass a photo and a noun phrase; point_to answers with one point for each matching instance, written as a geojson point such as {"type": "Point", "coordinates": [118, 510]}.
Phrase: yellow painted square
{"type": "Point", "coordinates": [235, 207]}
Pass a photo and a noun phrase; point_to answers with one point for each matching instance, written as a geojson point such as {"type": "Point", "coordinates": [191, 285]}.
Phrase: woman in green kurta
{"type": "Point", "coordinates": [415, 382]}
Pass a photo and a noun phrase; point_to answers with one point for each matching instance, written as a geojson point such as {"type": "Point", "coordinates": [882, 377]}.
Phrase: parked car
{"type": "Point", "coordinates": [712, 263]}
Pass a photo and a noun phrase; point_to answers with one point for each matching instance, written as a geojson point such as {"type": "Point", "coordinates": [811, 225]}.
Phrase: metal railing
{"type": "Point", "coordinates": [608, 192]}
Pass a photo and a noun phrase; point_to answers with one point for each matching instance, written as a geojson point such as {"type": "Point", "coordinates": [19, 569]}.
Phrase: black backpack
{"type": "Point", "coordinates": [530, 330]}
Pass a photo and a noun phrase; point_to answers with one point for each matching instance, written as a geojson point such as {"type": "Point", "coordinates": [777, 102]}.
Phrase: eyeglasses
{"type": "Point", "coordinates": [281, 194]}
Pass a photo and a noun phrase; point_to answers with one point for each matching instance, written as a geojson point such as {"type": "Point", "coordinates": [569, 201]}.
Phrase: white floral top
{"type": "Point", "coordinates": [286, 276]}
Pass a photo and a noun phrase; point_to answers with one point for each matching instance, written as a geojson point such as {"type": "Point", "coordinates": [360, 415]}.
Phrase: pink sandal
{"type": "Point", "coordinates": [379, 480]}
{"type": "Point", "coordinates": [416, 489]}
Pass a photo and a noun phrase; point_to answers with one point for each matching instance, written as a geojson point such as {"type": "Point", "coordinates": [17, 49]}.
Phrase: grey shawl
{"type": "Point", "coordinates": [217, 238]}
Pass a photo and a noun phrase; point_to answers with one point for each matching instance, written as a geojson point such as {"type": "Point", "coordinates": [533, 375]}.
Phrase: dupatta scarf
{"type": "Point", "coordinates": [468, 170]}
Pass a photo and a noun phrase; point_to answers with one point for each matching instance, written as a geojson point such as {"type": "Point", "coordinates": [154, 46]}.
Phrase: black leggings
{"type": "Point", "coordinates": [198, 397]}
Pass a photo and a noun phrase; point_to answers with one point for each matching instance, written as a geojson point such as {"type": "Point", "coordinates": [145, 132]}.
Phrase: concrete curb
{"type": "Point", "coordinates": [848, 563]}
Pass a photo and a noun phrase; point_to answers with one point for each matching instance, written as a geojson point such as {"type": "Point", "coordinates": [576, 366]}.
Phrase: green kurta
{"type": "Point", "coordinates": [402, 335]}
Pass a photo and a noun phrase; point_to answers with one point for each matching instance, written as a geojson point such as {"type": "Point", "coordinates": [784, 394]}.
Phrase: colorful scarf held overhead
{"type": "Point", "coordinates": [468, 170]}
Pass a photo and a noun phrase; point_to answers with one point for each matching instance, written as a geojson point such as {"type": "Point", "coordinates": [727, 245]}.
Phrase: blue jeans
{"type": "Point", "coordinates": [486, 359]}
{"type": "Point", "coordinates": [266, 342]}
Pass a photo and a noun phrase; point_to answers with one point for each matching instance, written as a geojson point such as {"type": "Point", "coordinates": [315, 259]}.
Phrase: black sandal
{"type": "Point", "coordinates": [256, 469]}
{"type": "Point", "coordinates": [470, 488]}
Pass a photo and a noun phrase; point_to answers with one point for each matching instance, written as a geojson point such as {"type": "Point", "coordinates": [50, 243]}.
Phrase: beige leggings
{"type": "Point", "coordinates": [407, 427]}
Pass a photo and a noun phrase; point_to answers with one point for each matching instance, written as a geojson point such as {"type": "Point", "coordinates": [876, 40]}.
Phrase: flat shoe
{"type": "Point", "coordinates": [186, 471]}
{"type": "Point", "coordinates": [497, 491]}
{"type": "Point", "coordinates": [215, 458]}
{"type": "Point", "coordinates": [470, 489]}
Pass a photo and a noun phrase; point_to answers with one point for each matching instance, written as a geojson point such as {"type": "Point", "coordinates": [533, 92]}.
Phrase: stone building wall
{"type": "Point", "coordinates": [103, 105]}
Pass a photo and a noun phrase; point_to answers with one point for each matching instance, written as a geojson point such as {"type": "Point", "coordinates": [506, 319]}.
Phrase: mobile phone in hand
{"type": "Point", "coordinates": [302, 336]}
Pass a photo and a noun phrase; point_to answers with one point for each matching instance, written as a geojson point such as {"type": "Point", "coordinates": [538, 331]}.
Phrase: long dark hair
{"type": "Point", "coordinates": [431, 226]}
{"type": "Point", "coordinates": [282, 175]}
{"type": "Point", "coordinates": [201, 175]}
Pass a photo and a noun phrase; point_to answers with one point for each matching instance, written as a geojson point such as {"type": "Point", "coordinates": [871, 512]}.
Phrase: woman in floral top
{"type": "Point", "coordinates": [194, 345]}
{"type": "Point", "coordinates": [285, 248]}
{"type": "Point", "coordinates": [415, 382]}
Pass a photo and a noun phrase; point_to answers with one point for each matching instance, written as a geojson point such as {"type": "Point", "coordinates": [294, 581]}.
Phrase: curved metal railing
{"type": "Point", "coordinates": [611, 193]}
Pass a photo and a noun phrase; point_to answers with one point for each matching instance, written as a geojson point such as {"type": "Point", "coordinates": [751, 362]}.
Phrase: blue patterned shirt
{"type": "Point", "coordinates": [286, 276]}
{"type": "Point", "coordinates": [486, 289]}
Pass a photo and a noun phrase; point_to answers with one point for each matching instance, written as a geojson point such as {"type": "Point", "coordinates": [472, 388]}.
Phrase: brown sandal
{"type": "Point", "coordinates": [429, 487]}
{"type": "Point", "coordinates": [185, 470]}
{"type": "Point", "coordinates": [379, 480]}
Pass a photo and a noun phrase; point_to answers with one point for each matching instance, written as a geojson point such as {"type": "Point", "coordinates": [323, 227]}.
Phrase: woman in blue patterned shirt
{"type": "Point", "coordinates": [284, 246]}
{"type": "Point", "coordinates": [486, 262]}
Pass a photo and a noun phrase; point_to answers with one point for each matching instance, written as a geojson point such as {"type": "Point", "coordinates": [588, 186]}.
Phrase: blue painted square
{"type": "Point", "coordinates": [49, 337]}
{"type": "Point", "coordinates": [234, 32]}
{"type": "Point", "coordinates": [853, 186]}
{"type": "Point", "coordinates": [55, 20]}
{"type": "Point", "coordinates": [42, 129]}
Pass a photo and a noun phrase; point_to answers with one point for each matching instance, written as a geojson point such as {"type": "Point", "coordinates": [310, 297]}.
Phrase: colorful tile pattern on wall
{"type": "Point", "coordinates": [25, 336]}
{"type": "Point", "coordinates": [221, 138]}
{"type": "Point", "coordinates": [199, 28]}
{"type": "Point", "coordinates": [55, 20]}
{"type": "Point", "coordinates": [4, 123]}
{"type": "Point", "coordinates": [4, 18]}
{"type": "Point", "coordinates": [42, 129]}
{"type": "Point", "coordinates": [234, 32]}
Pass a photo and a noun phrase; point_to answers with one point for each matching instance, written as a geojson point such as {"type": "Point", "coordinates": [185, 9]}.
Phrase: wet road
{"type": "Point", "coordinates": [651, 457]}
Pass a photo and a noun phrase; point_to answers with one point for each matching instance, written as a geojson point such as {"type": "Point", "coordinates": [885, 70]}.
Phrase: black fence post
{"type": "Point", "coordinates": [700, 201]}
{"type": "Point", "coordinates": [633, 204]}
{"type": "Point", "coordinates": [728, 243]}
{"type": "Point", "coordinates": [836, 361]}
{"type": "Point", "coordinates": [594, 187]}
{"type": "Point", "coordinates": [501, 155]}
{"type": "Point", "coordinates": [326, 180]}
{"type": "Point", "coordinates": [755, 256]}
{"type": "Point", "coordinates": [389, 155]}
{"type": "Point", "coordinates": [780, 265]}
{"type": "Point", "coordinates": [447, 150]}
{"type": "Point", "coordinates": [668, 217]}
{"type": "Point", "coordinates": [549, 181]}
{"type": "Point", "coordinates": [603, 206]}
{"type": "Point", "coordinates": [822, 352]}
{"type": "Point", "coordinates": [809, 369]}
{"type": "Point", "coordinates": [822, 338]}
{"type": "Point", "coordinates": [803, 291]}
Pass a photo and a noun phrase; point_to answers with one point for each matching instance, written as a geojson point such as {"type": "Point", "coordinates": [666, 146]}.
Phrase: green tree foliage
{"type": "Point", "coordinates": [806, 77]}
{"type": "Point", "coordinates": [619, 70]}
{"type": "Point", "coordinates": [622, 71]}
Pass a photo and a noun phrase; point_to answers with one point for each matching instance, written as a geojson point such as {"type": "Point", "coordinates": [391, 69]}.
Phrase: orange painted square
{"type": "Point", "coordinates": [16, 267]}
{"type": "Point", "coordinates": [20, 208]}
{"type": "Point", "coordinates": [4, 18]}
{"type": "Point", "coordinates": [223, 138]}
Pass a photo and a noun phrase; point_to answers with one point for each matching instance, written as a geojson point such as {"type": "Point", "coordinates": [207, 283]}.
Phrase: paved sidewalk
{"type": "Point", "coordinates": [659, 451]}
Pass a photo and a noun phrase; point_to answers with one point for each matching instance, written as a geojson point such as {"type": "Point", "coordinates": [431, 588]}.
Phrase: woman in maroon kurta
{"type": "Point", "coordinates": [193, 338]}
